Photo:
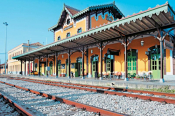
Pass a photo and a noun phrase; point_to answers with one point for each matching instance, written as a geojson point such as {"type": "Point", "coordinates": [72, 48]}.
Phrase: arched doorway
{"type": "Point", "coordinates": [94, 62]}
{"type": "Point", "coordinates": [131, 60]}
{"type": "Point", "coordinates": [109, 61]}
{"type": "Point", "coordinates": [59, 68]}
{"type": "Point", "coordinates": [51, 66]}
{"type": "Point", "coordinates": [78, 67]}
{"type": "Point", "coordinates": [155, 61]}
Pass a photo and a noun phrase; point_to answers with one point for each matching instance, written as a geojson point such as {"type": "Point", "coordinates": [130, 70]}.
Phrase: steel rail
{"type": "Point", "coordinates": [112, 88]}
{"type": "Point", "coordinates": [164, 100]}
{"type": "Point", "coordinates": [100, 111]}
{"type": "Point", "coordinates": [22, 111]}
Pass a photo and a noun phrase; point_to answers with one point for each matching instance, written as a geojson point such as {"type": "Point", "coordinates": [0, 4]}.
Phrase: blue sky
{"type": "Point", "coordinates": [30, 19]}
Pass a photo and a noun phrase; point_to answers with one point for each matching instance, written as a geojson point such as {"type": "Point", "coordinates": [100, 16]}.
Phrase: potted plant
{"type": "Point", "coordinates": [137, 77]}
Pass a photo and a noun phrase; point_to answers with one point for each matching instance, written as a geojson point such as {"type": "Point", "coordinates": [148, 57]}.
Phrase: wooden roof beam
{"type": "Point", "coordinates": [115, 30]}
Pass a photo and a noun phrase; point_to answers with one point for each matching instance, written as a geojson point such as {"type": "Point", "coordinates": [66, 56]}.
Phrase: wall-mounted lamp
{"type": "Point", "coordinates": [147, 53]}
{"type": "Point", "coordinates": [62, 56]}
{"type": "Point", "coordinates": [156, 46]}
{"type": "Point", "coordinates": [142, 42]}
{"type": "Point", "coordinates": [91, 51]}
{"type": "Point", "coordinates": [130, 49]}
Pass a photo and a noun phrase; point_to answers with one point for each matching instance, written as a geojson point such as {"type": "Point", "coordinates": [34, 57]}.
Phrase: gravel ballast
{"type": "Point", "coordinates": [121, 104]}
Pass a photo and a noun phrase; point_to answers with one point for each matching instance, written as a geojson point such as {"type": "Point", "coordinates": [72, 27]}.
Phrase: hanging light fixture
{"type": "Point", "coordinates": [142, 42]}
{"type": "Point", "coordinates": [62, 56]}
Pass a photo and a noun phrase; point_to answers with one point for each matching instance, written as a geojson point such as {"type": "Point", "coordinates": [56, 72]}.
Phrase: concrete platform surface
{"type": "Point", "coordinates": [131, 84]}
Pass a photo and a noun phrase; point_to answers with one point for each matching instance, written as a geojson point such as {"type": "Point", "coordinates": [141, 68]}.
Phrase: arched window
{"type": "Point", "coordinates": [59, 38]}
{"type": "Point", "coordinates": [68, 35]}
{"type": "Point", "coordinates": [68, 21]}
{"type": "Point", "coordinates": [79, 30]}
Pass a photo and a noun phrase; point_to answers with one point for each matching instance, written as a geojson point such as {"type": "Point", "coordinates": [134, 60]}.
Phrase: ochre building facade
{"type": "Point", "coordinates": [144, 53]}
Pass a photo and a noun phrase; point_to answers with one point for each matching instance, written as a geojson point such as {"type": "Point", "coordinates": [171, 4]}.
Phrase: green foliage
{"type": "Point", "coordinates": [164, 89]}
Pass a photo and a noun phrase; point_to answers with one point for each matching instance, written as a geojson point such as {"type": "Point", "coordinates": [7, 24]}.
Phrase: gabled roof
{"type": "Point", "coordinates": [75, 13]}
{"type": "Point", "coordinates": [71, 10]}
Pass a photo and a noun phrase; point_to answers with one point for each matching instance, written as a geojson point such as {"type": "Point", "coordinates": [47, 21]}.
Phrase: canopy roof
{"type": "Point", "coordinates": [145, 21]}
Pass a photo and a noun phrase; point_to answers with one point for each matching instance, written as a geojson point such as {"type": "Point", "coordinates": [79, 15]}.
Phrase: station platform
{"type": "Point", "coordinates": [120, 83]}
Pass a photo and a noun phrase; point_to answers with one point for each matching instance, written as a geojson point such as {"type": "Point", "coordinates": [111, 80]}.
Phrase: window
{"type": "Point", "coordinates": [68, 35]}
{"type": "Point", "coordinates": [59, 38]}
{"type": "Point", "coordinates": [79, 30]}
{"type": "Point", "coordinates": [68, 21]}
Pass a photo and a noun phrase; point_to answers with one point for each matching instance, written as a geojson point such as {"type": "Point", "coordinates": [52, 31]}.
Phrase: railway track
{"type": "Point", "coordinates": [112, 102]}
{"type": "Point", "coordinates": [10, 108]}
{"type": "Point", "coordinates": [35, 103]}
{"type": "Point", "coordinates": [146, 95]}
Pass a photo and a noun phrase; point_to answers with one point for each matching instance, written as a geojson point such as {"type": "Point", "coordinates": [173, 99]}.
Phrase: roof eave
{"type": "Point", "coordinates": [128, 19]}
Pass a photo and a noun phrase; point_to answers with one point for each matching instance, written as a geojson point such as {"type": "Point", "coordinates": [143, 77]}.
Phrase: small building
{"type": "Point", "coordinates": [100, 40]}
{"type": "Point", "coordinates": [2, 68]}
{"type": "Point", "coordinates": [15, 65]}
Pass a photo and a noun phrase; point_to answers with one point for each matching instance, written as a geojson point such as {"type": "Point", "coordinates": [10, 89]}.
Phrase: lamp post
{"type": "Point", "coordinates": [5, 23]}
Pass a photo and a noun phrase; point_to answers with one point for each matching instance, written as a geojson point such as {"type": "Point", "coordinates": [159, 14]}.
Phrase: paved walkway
{"type": "Point", "coordinates": [132, 83]}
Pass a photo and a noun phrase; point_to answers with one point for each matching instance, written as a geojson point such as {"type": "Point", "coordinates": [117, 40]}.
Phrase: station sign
{"type": "Point", "coordinates": [68, 27]}
{"type": "Point", "coordinates": [168, 45]}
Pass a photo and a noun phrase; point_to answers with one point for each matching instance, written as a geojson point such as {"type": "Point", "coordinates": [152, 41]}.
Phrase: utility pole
{"type": "Point", "coordinates": [5, 23]}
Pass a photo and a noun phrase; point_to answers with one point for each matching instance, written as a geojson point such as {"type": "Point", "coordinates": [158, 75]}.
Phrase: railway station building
{"type": "Point", "coordinates": [15, 64]}
{"type": "Point", "coordinates": [100, 40]}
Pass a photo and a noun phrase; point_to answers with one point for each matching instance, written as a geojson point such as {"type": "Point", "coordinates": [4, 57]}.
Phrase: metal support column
{"type": "Point", "coordinates": [39, 66]}
{"type": "Point", "coordinates": [161, 56]}
{"type": "Point", "coordinates": [56, 54]}
{"type": "Point", "coordinates": [126, 64]}
{"type": "Point", "coordinates": [101, 61]}
{"type": "Point", "coordinates": [25, 67]}
{"type": "Point", "coordinates": [21, 67]}
{"type": "Point", "coordinates": [83, 63]}
{"type": "Point", "coordinates": [29, 67]}
{"type": "Point", "coordinates": [33, 66]}
{"type": "Point", "coordinates": [69, 64]}
{"type": "Point", "coordinates": [87, 62]}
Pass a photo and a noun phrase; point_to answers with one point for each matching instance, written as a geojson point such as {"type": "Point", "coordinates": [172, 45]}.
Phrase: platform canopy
{"type": "Point", "coordinates": [162, 16]}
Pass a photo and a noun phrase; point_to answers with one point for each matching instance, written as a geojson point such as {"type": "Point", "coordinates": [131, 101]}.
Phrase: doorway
{"type": "Point", "coordinates": [78, 67]}
{"type": "Point", "coordinates": [51, 66]}
{"type": "Point", "coordinates": [95, 66]}
{"type": "Point", "coordinates": [109, 63]}
{"type": "Point", "coordinates": [131, 60]}
{"type": "Point", "coordinates": [155, 61]}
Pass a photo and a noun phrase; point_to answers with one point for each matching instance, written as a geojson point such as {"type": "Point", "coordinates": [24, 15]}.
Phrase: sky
{"type": "Point", "coordinates": [30, 19]}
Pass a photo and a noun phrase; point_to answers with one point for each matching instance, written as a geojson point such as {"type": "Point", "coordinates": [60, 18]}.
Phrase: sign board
{"type": "Point", "coordinates": [113, 52]}
{"type": "Point", "coordinates": [68, 27]}
{"type": "Point", "coordinates": [168, 45]}
{"type": "Point", "coordinates": [109, 18]}
{"type": "Point", "coordinates": [47, 68]}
